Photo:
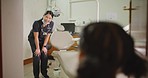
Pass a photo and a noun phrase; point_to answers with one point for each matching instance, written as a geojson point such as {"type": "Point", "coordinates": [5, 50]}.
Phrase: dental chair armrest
{"type": "Point", "coordinates": [76, 39]}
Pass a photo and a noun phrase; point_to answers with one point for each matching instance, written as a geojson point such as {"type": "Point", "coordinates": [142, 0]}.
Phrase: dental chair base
{"type": "Point", "coordinates": [67, 62]}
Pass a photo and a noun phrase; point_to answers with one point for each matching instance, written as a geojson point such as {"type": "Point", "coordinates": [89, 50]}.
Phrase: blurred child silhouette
{"type": "Point", "coordinates": [106, 50]}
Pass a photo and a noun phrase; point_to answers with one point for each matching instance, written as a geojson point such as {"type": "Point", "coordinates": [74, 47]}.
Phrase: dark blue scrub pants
{"type": "Point", "coordinates": [36, 61]}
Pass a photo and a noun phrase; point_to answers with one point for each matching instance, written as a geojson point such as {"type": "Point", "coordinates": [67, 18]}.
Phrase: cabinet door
{"type": "Point", "coordinates": [139, 24]}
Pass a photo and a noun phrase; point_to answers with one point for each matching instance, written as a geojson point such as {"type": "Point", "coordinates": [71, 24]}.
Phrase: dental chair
{"type": "Point", "coordinates": [67, 60]}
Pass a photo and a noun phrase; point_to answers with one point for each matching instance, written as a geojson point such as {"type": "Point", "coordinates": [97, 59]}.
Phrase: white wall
{"type": "Point", "coordinates": [84, 10]}
{"type": "Point", "coordinates": [12, 38]}
{"type": "Point", "coordinates": [112, 10]}
{"type": "Point", "coordinates": [32, 10]}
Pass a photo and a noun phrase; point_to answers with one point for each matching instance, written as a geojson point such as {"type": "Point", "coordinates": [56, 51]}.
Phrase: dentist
{"type": "Point", "coordinates": [38, 39]}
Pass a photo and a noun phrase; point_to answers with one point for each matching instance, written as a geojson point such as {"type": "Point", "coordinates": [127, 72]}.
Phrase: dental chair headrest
{"type": "Point", "coordinates": [60, 28]}
{"type": "Point", "coordinates": [61, 40]}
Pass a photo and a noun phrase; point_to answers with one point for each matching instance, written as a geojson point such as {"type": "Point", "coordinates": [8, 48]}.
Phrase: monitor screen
{"type": "Point", "coordinates": [69, 27]}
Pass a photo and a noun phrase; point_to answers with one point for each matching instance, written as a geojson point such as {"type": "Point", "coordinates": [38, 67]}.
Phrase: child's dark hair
{"type": "Point", "coordinates": [49, 12]}
{"type": "Point", "coordinates": [107, 47]}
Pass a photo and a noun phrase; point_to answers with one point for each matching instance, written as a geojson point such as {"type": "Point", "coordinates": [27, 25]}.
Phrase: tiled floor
{"type": "Point", "coordinates": [28, 73]}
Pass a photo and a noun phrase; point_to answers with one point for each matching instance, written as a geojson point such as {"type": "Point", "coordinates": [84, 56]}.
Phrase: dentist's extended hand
{"type": "Point", "coordinates": [44, 49]}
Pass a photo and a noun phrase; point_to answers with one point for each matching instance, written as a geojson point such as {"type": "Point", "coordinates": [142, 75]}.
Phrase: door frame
{"type": "Point", "coordinates": [147, 33]}
{"type": "Point", "coordinates": [1, 68]}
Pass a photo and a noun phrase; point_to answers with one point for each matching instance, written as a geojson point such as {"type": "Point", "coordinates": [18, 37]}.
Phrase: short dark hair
{"type": "Point", "coordinates": [49, 12]}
